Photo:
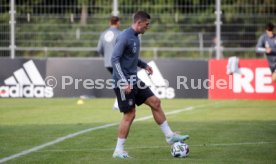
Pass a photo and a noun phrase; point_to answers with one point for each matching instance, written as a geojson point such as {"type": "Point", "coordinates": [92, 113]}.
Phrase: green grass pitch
{"type": "Point", "coordinates": [233, 131]}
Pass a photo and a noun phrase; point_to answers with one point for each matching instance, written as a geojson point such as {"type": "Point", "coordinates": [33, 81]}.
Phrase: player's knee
{"type": "Point", "coordinates": [156, 103]}
{"type": "Point", "coordinates": [130, 116]}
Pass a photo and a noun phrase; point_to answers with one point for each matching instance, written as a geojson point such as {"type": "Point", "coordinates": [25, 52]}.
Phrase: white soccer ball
{"type": "Point", "coordinates": [180, 149]}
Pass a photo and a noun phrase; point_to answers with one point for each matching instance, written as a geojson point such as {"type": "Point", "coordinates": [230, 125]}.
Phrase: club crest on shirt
{"type": "Point", "coordinates": [109, 35]}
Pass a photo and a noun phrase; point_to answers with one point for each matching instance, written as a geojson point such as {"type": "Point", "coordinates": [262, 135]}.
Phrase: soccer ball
{"type": "Point", "coordinates": [180, 149]}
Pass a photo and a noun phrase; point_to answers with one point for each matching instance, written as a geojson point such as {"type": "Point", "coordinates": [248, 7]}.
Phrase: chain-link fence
{"type": "Point", "coordinates": [179, 28]}
{"type": "Point", "coordinates": [4, 30]}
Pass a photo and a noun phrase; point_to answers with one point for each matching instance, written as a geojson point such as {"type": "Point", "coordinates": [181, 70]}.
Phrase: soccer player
{"type": "Point", "coordinates": [130, 90]}
{"type": "Point", "coordinates": [267, 44]}
{"type": "Point", "coordinates": [107, 41]}
{"type": "Point", "coordinates": [106, 45]}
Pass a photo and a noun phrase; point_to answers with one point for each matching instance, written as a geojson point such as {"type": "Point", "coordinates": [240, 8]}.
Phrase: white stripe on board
{"type": "Point", "coordinates": [33, 73]}
{"type": "Point", "coordinates": [10, 81]}
{"type": "Point", "coordinates": [22, 77]}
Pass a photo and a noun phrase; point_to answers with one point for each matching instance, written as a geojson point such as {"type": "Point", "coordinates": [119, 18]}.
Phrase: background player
{"type": "Point", "coordinates": [107, 41]}
{"type": "Point", "coordinates": [106, 45]}
{"type": "Point", "coordinates": [267, 44]}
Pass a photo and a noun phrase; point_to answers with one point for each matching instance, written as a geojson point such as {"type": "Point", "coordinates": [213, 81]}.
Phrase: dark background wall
{"type": "Point", "coordinates": [92, 68]}
{"type": "Point", "coordinates": [9, 66]}
{"type": "Point", "coordinates": [192, 69]}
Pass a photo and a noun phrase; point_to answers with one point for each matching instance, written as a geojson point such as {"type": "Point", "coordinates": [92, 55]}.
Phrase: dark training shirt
{"type": "Point", "coordinates": [125, 57]}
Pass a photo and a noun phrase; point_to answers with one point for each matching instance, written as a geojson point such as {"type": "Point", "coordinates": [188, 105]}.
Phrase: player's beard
{"type": "Point", "coordinates": [143, 31]}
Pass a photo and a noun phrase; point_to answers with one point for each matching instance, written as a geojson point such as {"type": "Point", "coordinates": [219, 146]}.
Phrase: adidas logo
{"type": "Point", "coordinates": [26, 82]}
{"type": "Point", "coordinates": [156, 82]}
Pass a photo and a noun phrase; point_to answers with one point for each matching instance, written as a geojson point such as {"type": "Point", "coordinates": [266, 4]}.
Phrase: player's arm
{"type": "Point", "coordinates": [115, 59]}
{"type": "Point", "coordinates": [260, 47]}
{"type": "Point", "coordinates": [144, 65]}
{"type": "Point", "coordinates": [100, 47]}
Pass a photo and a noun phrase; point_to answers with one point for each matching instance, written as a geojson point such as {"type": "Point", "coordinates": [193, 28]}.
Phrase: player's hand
{"type": "Point", "coordinates": [268, 50]}
{"type": "Point", "coordinates": [149, 70]}
{"type": "Point", "coordinates": [127, 89]}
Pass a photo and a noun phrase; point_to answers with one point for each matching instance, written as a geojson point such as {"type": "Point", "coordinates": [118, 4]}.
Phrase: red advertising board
{"type": "Point", "coordinates": [252, 82]}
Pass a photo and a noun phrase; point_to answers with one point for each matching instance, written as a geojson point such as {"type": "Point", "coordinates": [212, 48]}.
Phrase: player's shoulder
{"type": "Point", "coordinates": [116, 30]}
{"type": "Point", "coordinates": [104, 32]}
{"type": "Point", "coordinates": [124, 34]}
{"type": "Point", "coordinates": [113, 29]}
{"type": "Point", "coordinates": [110, 32]}
{"type": "Point", "coordinates": [263, 36]}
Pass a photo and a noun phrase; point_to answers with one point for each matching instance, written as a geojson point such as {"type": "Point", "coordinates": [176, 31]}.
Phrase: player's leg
{"type": "Point", "coordinates": [115, 105]}
{"type": "Point", "coordinates": [155, 104]}
{"type": "Point", "coordinates": [272, 65]}
{"type": "Point", "coordinates": [127, 107]}
{"type": "Point", "coordinates": [110, 70]}
{"type": "Point", "coordinates": [123, 131]}
{"type": "Point", "coordinates": [274, 76]}
{"type": "Point", "coordinates": [160, 119]}
{"type": "Point", "coordinates": [145, 95]}
{"type": "Point", "coordinates": [125, 123]}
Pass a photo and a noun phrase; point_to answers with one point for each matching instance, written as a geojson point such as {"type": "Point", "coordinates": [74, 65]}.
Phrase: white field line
{"type": "Point", "coordinates": [28, 151]}
{"type": "Point", "coordinates": [158, 147]}
{"type": "Point", "coordinates": [36, 148]}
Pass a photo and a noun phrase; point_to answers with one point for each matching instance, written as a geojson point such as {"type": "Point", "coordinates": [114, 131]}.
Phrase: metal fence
{"type": "Point", "coordinates": [180, 28]}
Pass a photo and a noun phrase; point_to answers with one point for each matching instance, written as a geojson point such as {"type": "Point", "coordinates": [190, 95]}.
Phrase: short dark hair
{"type": "Point", "coordinates": [114, 20]}
{"type": "Point", "coordinates": [140, 15]}
{"type": "Point", "coordinates": [269, 26]}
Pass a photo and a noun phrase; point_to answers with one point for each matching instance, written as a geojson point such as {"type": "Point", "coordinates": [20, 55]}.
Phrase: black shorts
{"type": "Point", "coordinates": [138, 95]}
{"type": "Point", "coordinates": [272, 62]}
